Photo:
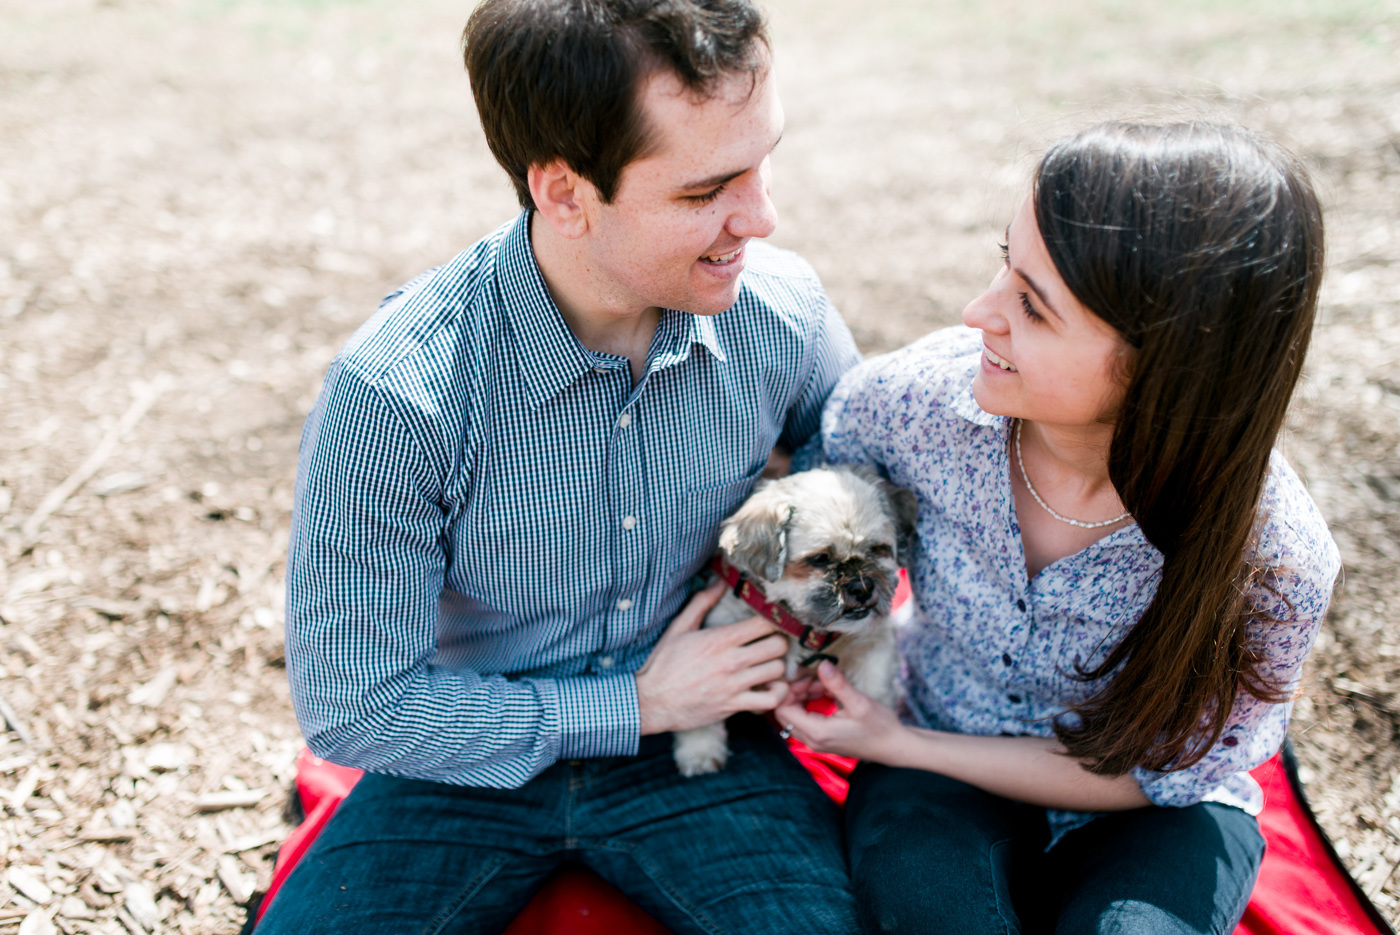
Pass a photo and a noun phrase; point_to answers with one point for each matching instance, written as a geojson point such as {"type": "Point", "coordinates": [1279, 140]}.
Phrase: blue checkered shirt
{"type": "Point", "coordinates": [493, 526]}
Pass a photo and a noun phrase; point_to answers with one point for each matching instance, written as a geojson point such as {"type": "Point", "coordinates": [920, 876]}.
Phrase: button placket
{"type": "Point", "coordinates": [629, 548]}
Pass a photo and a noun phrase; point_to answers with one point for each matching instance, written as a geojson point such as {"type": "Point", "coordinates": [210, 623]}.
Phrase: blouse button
{"type": "Point", "coordinates": [1005, 659]}
{"type": "Point", "coordinates": [1015, 699]}
{"type": "Point", "coordinates": [1020, 605]}
{"type": "Point", "coordinates": [1230, 741]}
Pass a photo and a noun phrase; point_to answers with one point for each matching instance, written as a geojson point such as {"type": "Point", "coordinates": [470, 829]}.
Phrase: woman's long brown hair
{"type": "Point", "coordinates": [1202, 245]}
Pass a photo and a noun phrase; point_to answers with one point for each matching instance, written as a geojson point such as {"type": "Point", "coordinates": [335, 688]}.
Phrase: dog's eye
{"type": "Point", "coordinates": [820, 560]}
{"type": "Point", "coordinates": [881, 551]}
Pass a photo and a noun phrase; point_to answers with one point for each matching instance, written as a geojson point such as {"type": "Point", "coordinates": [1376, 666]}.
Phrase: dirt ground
{"type": "Point", "coordinates": [201, 199]}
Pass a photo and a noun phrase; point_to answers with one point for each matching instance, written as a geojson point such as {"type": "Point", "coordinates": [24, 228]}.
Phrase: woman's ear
{"type": "Point", "coordinates": [560, 196]}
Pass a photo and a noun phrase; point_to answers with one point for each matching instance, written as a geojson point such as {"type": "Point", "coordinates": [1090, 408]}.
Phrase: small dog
{"type": "Point", "coordinates": [825, 546]}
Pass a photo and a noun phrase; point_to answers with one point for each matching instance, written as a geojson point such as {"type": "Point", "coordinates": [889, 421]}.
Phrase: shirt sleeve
{"type": "Point", "coordinates": [365, 572]}
{"type": "Point", "coordinates": [834, 353]}
{"type": "Point", "coordinates": [860, 424]}
{"type": "Point", "coordinates": [1292, 600]}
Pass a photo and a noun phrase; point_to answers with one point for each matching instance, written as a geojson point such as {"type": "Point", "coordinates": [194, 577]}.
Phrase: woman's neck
{"type": "Point", "coordinates": [1073, 456]}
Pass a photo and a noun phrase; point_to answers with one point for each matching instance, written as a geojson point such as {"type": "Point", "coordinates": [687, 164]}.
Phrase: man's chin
{"type": "Point", "coordinates": [714, 303]}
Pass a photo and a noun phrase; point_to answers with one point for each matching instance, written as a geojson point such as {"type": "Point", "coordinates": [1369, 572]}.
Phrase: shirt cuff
{"type": "Point", "coordinates": [598, 716]}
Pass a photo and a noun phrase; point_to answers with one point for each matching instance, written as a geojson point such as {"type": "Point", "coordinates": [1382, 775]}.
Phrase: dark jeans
{"type": "Point", "coordinates": [751, 849]}
{"type": "Point", "coordinates": [931, 854]}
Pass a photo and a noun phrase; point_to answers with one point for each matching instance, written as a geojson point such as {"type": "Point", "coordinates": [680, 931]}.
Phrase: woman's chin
{"type": "Point", "coordinates": [988, 400]}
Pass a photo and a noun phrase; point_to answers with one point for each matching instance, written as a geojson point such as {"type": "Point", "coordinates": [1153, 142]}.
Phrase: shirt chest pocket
{"type": "Point", "coordinates": [696, 514]}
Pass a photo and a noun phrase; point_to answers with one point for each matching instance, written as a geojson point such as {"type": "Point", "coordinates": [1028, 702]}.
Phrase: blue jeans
{"type": "Point", "coordinates": [932, 854]}
{"type": "Point", "coordinates": [754, 848]}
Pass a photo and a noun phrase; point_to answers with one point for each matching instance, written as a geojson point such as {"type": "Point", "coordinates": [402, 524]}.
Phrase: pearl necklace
{"type": "Point", "coordinates": [1045, 506]}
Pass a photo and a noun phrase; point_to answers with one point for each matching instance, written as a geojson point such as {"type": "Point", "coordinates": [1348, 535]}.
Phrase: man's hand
{"type": "Point", "coordinates": [695, 677]}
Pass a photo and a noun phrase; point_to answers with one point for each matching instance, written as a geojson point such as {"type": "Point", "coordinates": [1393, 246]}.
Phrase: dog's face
{"type": "Point", "coordinates": [827, 543]}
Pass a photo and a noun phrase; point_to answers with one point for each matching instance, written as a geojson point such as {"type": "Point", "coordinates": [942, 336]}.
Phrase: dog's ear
{"type": "Point", "coordinates": [754, 539]}
{"type": "Point", "coordinates": [903, 507]}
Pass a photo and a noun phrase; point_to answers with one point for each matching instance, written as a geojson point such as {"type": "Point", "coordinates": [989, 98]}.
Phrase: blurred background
{"type": "Point", "coordinates": [201, 199]}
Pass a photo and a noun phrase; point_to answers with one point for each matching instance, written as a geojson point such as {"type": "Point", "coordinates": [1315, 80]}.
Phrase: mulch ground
{"type": "Point", "coordinates": [200, 200]}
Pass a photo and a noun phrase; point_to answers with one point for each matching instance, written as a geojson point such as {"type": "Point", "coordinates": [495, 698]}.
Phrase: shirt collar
{"type": "Point", "coordinates": [554, 357]}
{"type": "Point", "coordinates": [965, 405]}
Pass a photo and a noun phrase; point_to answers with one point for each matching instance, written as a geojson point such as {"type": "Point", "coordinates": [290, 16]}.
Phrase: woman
{"type": "Point", "coordinates": [1117, 578]}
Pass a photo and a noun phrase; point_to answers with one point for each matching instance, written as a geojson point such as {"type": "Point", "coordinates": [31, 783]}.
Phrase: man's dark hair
{"type": "Point", "coordinates": [561, 78]}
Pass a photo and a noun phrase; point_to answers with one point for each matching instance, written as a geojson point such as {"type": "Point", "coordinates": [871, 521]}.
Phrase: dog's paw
{"type": "Point", "coordinates": [700, 751]}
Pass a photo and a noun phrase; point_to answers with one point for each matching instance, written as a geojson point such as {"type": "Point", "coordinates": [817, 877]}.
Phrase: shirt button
{"type": "Point", "coordinates": [625, 604]}
{"type": "Point", "coordinates": [605, 662]}
{"type": "Point", "coordinates": [629, 522]}
{"type": "Point", "coordinates": [1006, 659]}
{"type": "Point", "coordinates": [599, 370]}
{"type": "Point", "coordinates": [624, 420]}
{"type": "Point", "coordinates": [1020, 605]}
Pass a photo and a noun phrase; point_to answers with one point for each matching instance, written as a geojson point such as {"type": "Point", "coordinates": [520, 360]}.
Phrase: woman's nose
{"type": "Point", "coordinates": [983, 312]}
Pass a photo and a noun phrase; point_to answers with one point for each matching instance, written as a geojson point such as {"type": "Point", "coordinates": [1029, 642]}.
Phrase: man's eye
{"type": "Point", "coordinates": [706, 198]}
{"type": "Point", "coordinates": [820, 560]}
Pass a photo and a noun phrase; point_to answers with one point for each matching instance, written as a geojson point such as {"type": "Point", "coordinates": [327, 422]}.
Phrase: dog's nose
{"type": "Point", "coordinates": [859, 589]}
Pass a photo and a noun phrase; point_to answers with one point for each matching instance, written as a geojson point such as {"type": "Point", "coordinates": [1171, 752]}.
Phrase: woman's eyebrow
{"type": "Point", "coordinates": [1038, 293]}
{"type": "Point", "coordinates": [1029, 281]}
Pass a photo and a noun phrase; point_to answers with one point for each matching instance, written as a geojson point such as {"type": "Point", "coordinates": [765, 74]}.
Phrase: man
{"type": "Point", "coordinates": [512, 475]}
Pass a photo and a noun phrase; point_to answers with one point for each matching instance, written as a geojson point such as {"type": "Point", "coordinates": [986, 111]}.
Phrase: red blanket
{"type": "Point", "coordinates": [1302, 888]}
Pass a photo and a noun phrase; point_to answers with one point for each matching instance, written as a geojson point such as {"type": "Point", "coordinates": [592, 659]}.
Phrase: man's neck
{"type": "Point", "coordinates": [600, 318]}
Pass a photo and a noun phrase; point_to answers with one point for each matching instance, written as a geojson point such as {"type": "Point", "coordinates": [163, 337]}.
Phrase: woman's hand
{"type": "Point", "coordinates": [862, 728]}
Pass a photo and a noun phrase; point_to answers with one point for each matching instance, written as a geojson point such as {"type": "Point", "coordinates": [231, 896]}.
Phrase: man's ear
{"type": "Point", "coordinates": [754, 539]}
{"type": "Point", "coordinates": [560, 196]}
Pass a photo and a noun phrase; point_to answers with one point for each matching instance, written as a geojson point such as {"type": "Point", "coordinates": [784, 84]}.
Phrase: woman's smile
{"type": "Point", "coordinates": [996, 361]}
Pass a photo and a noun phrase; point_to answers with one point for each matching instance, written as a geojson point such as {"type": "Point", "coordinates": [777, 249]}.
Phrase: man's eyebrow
{"type": "Point", "coordinates": [713, 180]}
{"type": "Point", "coordinates": [723, 177]}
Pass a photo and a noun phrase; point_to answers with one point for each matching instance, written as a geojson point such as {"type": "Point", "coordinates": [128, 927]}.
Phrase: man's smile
{"type": "Point", "coordinates": [723, 259]}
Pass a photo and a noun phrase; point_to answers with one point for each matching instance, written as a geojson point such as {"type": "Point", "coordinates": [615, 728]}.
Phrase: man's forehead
{"type": "Point", "coordinates": [740, 112]}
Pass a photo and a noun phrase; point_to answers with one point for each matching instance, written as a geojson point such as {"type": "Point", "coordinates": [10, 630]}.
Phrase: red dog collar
{"type": "Point", "coordinates": [776, 613]}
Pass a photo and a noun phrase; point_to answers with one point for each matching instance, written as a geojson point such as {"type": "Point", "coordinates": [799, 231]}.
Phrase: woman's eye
{"type": "Point", "coordinates": [1028, 308]}
{"type": "Point", "coordinates": [820, 560]}
{"type": "Point", "coordinates": [1005, 252]}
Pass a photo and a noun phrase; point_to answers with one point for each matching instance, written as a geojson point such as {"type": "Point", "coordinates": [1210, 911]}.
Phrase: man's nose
{"type": "Point", "coordinates": [755, 216]}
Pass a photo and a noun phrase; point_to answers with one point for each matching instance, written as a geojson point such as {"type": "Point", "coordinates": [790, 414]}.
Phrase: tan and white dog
{"type": "Point", "coordinates": [825, 546]}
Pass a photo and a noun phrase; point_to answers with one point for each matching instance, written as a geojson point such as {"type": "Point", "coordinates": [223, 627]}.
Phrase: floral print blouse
{"type": "Point", "coordinates": [986, 650]}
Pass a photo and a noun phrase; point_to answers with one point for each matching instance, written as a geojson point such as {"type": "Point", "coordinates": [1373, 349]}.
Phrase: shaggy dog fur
{"type": "Point", "coordinates": [828, 545]}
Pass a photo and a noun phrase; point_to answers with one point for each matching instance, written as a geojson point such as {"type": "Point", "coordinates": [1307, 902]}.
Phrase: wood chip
{"type": "Point", "coordinates": [218, 801]}
{"type": "Point", "coordinates": [238, 883]}
{"type": "Point", "coordinates": [251, 842]}
{"type": "Point", "coordinates": [13, 722]}
{"type": "Point", "coordinates": [108, 835]}
{"type": "Point", "coordinates": [54, 499]}
{"type": "Point", "coordinates": [153, 692]}
{"type": "Point", "coordinates": [138, 901]}
{"type": "Point", "coordinates": [27, 883]}
{"type": "Point", "coordinates": [38, 923]}
{"type": "Point", "coordinates": [22, 792]}
{"type": "Point", "coordinates": [111, 609]}
{"type": "Point", "coordinates": [75, 908]}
